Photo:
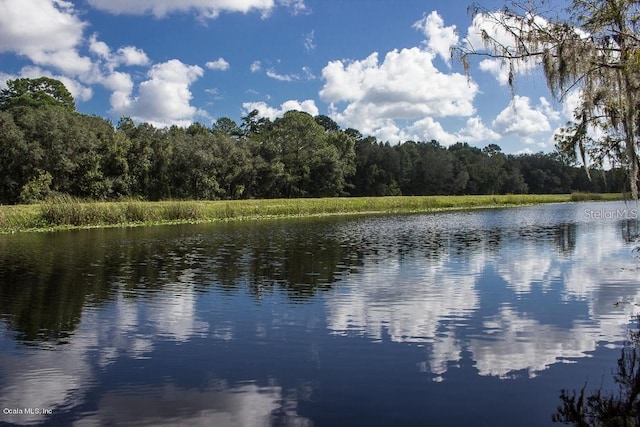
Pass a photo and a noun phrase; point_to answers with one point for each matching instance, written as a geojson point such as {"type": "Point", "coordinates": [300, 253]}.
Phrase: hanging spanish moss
{"type": "Point", "coordinates": [591, 49]}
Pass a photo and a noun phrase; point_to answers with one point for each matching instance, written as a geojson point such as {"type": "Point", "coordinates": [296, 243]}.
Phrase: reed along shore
{"type": "Point", "coordinates": [66, 212]}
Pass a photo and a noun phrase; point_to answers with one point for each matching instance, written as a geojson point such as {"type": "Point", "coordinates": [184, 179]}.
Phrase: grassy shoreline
{"type": "Point", "coordinates": [69, 213]}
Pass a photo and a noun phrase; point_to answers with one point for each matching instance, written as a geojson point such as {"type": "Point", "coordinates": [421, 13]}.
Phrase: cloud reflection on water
{"type": "Point", "coordinates": [220, 405]}
{"type": "Point", "coordinates": [60, 378]}
{"type": "Point", "coordinates": [418, 300]}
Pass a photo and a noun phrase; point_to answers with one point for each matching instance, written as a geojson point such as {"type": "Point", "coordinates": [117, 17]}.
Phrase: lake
{"type": "Point", "coordinates": [459, 318]}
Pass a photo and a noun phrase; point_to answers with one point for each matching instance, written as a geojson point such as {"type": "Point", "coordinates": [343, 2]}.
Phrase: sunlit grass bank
{"type": "Point", "coordinates": [67, 212]}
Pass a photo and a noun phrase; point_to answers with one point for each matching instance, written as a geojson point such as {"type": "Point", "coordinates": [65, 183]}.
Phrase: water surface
{"type": "Point", "coordinates": [467, 318]}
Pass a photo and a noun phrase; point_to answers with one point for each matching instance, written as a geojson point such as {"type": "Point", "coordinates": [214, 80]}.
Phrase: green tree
{"type": "Point", "coordinates": [426, 168]}
{"type": "Point", "coordinates": [20, 157]}
{"type": "Point", "coordinates": [35, 93]}
{"type": "Point", "coordinates": [494, 171]}
{"type": "Point", "coordinates": [198, 129]}
{"type": "Point", "coordinates": [470, 168]}
{"type": "Point", "coordinates": [253, 124]}
{"type": "Point", "coordinates": [126, 125]}
{"type": "Point", "coordinates": [226, 126]}
{"type": "Point", "coordinates": [545, 173]}
{"type": "Point", "coordinates": [115, 165]}
{"type": "Point", "coordinates": [345, 163]}
{"type": "Point", "coordinates": [327, 123]}
{"type": "Point", "coordinates": [162, 147]}
{"type": "Point", "coordinates": [191, 166]}
{"type": "Point", "coordinates": [302, 145]}
{"type": "Point", "coordinates": [268, 168]}
{"type": "Point", "coordinates": [235, 171]}
{"type": "Point", "coordinates": [71, 146]}
{"type": "Point", "coordinates": [514, 182]}
{"type": "Point", "coordinates": [139, 156]}
{"type": "Point", "coordinates": [593, 47]}
{"type": "Point", "coordinates": [37, 189]}
{"type": "Point", "coordinates": [378, 167]}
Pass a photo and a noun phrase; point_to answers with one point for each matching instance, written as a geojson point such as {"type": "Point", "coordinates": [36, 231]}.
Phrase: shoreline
{"type": "Point", "coordinates": [66, 213]}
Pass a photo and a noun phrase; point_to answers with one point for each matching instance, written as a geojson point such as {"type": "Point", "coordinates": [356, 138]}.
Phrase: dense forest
{"type": "Point", "coordinates": [47, 148]}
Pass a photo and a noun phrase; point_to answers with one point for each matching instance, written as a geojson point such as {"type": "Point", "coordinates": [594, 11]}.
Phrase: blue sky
{"type": "Point", "coordinates": [380, 66]}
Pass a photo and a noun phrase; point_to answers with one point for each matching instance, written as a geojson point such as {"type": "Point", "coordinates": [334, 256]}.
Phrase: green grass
{"type": "Point", "coordinates": [66, 212]}
{"type": "Point", "coordinates": [580, 197]}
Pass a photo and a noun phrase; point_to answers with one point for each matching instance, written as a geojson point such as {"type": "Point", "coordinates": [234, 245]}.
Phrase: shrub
{"type": "Point", "coordinates": [37, 189]}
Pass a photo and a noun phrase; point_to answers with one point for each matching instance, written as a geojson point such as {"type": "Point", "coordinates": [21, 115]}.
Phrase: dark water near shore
{"type": "Point", "coordinates": [469, 318]}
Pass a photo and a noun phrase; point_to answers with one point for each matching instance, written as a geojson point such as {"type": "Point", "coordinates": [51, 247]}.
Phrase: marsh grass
{"type": "Point", "coordinates": [183, 211]}
{"type": "Point", "coordinates": [63, 212]}
{"type": "Point", "coordinates": [581, 197]}
{"type": "Point", "coordinates": [66, 210]}
{"type": "Point", "coordinates": [135, 211]}
{"type": "Point", "coordinates": [18, 218]}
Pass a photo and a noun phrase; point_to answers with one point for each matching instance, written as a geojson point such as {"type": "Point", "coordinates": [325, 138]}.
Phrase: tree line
{"type": "Point", "coordinates": [47, 148]}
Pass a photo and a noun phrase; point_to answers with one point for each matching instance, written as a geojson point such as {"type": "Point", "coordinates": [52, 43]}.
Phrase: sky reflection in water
{"type": "Point", "coordinates": [316, 322]}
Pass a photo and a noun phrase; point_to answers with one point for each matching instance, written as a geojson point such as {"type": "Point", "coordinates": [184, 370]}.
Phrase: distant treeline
{"type": "Point", "coordinates": [49, 148]}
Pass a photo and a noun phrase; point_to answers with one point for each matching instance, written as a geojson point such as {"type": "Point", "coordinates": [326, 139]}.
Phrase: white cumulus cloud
{"type": "Point", "coordinates": [162, 100]}
{"type": "Point", "coordinates": [476, 131]}
{"type": "Point", "coordinates": [99, 48]}
{"type": "Point", "coordinates": [52, 42]}
{"type": "Point", "coordinates": [439, 38]}
{"type": "Point", "coordinates": [521, 119]}
{"type": "Point", "coordinates": [219, 64]}
{"type": "Point", "coordinates": [126, 55]}
{"type": "Point", "coordinates": [161, 8]}
{"type": "Point", "coordinates": [427, 129]}
{"type": "Point", "coordinates": [45, 31]}
{"type": "Point", "coordinates": [53, 26]}
{"type": "Point", "coordinates": [405, 86]}
{"type": "Point", "coordinates": [131, 55]}
{"type": "Point", "coordinates": [264, 110]}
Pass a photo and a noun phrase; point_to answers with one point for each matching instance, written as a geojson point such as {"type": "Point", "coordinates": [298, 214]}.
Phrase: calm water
{"type": "Point", "coordinates": [476, 318]}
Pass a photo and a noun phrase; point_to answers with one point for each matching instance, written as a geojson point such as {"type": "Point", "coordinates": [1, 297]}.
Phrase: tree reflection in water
{"type": "Point", "coordinates": [619, 408]}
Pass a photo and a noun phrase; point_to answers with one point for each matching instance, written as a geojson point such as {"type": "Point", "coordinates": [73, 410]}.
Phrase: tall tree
{"type": "Point", "coordinates": [302, 145]}
{"type": "Point", "coordinates": [253, 124]}
{"type": "Point", "coordinates": [327, 123]}
{"type": "Point", "coordinates": [594, 48]}
{"type": "Point", "coordinates": [226, 126]}
{"type": "Point", "coordinates": [36, 93]}
{"type": "Point", "coordinates": [19, 159]}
